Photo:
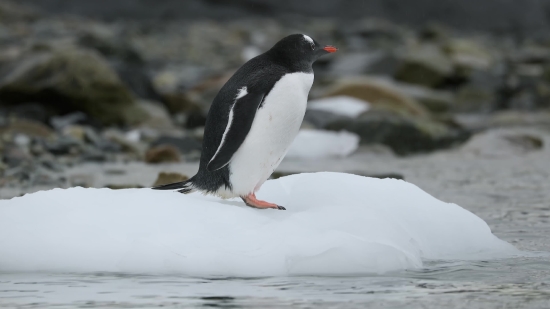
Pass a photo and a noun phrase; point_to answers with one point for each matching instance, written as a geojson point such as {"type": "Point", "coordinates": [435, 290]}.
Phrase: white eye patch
{"type": "Point", "coordinates": [310, 40]}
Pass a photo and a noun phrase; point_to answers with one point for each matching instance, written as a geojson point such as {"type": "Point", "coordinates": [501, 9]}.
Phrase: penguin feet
{"type": "Point", "coordinates": [252, 201]}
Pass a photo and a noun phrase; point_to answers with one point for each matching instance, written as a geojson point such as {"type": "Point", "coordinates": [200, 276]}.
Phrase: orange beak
{"type": "Point", "coordinates": [330, 48]}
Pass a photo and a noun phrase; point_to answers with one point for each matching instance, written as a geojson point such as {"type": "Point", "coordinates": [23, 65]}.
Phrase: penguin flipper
{"type": "Point", "coordinates": [240, 120]}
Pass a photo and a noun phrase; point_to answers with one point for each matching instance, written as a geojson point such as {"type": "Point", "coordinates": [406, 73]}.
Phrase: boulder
{"type": "Point", "coordinates": [379, 93]}
{"type": "Point", "coordinates": [70, 79]}
{"type": "Point", "coordinates": [404, 134]}
{"type": "Point", "coordinates": [426, 66]}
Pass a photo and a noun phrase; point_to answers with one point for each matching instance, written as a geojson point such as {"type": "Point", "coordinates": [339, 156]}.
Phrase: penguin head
{"type": "Point", "coordinates": [300, 48]}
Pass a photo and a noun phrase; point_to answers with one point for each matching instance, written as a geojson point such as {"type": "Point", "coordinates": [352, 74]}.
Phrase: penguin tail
{"type": "Point", "coordinates": [185, 186]}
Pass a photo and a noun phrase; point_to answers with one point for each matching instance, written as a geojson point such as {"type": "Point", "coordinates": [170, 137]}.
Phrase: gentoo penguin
{"type": "Point", "coordinates": [253, 120]}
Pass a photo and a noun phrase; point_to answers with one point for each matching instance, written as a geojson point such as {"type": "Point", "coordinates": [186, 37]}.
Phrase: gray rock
{"type": "Point", "coordinates": [426, 66]}
{"type": "Point", "coordinates": [404, 134]}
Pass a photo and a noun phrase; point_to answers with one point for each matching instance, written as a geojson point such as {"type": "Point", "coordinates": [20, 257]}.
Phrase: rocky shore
{"type": "Point", "coordinates": [79, 92]}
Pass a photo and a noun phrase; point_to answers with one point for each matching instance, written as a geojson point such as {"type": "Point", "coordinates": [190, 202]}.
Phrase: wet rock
{"type": "Point", "coordinates": [166, 178]}
{"type": "Point", "coordinates": [379, 93]}
{"type": "Point", "coordinates": [183, 144]}
{"type": "Point", "coordinates": [403, 134]}
{"type": "Point", "coordinates": [70, 79]}
{"type": "Point", "coordinates": [162, 154]}
{"type": "Point", "coordinates": [426, 66]}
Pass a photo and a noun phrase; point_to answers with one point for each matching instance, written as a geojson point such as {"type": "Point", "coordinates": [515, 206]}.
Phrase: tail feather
{"type": "Point", "coordinates": [185, 186]}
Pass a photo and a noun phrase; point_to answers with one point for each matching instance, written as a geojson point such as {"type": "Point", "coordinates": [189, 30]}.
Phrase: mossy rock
{"type": "Point", "coordinates": [70, 79]}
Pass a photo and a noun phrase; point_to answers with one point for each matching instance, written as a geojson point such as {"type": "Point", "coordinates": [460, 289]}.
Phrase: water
{"type": "Point", "coordinates": [517, 282]}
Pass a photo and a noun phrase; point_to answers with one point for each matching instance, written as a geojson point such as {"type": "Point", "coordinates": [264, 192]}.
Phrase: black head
{"type": "Point", "coordinates": [299, 48]}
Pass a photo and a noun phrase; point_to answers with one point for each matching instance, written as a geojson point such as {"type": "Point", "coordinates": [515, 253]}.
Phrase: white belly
{"type": "Point", "coordinates": [273, 130]}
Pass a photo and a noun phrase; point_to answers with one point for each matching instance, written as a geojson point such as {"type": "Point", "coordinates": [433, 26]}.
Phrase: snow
{"type": "Point", "coordinates": [322, 144]}
{"type": "Point", "coordinates": [335, 224]}
{"type": "Point", "coordinates": [340, 105]}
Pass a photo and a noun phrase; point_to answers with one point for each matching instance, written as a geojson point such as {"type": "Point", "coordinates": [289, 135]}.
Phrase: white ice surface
{"type": "Point", "coordinates": [336, 224]}
{"type": "Point", "coordinates": [322, 144]}
{"type": "Point", "coordinates": [340, 105]}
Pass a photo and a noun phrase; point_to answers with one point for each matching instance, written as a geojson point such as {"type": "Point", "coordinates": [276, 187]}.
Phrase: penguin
{"type": "Point", "coordinates": [253, 120]}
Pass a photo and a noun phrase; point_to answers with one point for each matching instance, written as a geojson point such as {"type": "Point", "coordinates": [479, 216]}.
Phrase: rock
{"type": "Point", "coordinates": [64, 145]}
{"type": "Point", "coordinates": [60, 122]}
{"type": "Point", "coordinates": [126, 145]}
{"type": "Point", "coordinates": [166, 178]}
{"type": "Point", "coordinates": [519, 118]}
{"type": "Point", "coordinates": [70, 79]}
{"type": "Point", "coordinates": [380, 93]}
{"type": "Point", "coordinates": [504, 142]}
{"type": "Point", "coordinates": [470, 98]}
{"type": "Point", "coordinates": [426, 66]}
{"type": "Point", "coordinates": [27, 127]}
{"type": "Point", "coordinates": [436, 101]}
{"type": "Point", "coordinates": [109, 44]}
{"type": "Point", "coordinates": [183, 144]}
{"type": "Point", "coordinates": [75, 131]}
{"type": "Point", "coordinates": [14, 155]}
{"type": "Point", "coordinates": [162, 154]}
{"type": "Point", "coordinates": [404, 134]}
{"type": "Point", "coordinates": [467, 54]}
{"type": "Point", "coordinates": [31, 111]}
{"type": "Point", "coordinates": [158, 118]}
{"type": "Point", "coordinates": [320, 118]}
{"type": "Point", "coordinates": [81, 180]}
